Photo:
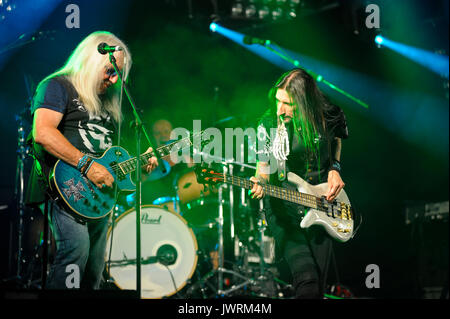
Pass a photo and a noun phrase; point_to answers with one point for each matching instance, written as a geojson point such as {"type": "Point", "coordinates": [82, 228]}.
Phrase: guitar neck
{"type": "Point", "coordinates": [129, 165]}
{"type": "Point", "coordinates": [290, 195]}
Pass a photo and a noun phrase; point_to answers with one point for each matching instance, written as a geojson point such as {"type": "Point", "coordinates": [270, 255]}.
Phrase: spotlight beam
{"type": "Point", "coordinates": [271, 52]}
{"type": "Point", "coordinates": [435, 62]}
{"type": "Point", "coordinates": [415, 117]}
{"type": "Point", "coordinates": [317, 77]}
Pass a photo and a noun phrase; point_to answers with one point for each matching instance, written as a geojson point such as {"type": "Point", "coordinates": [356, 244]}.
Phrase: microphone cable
{"type": "Point", "coordinates": [173, 281]}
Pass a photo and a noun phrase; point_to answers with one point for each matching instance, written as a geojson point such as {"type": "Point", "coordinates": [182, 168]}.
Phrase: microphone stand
{"type": "Point", "coordinates": [139, 129]}
{"type": "Point", "coordinates": [22, 153]}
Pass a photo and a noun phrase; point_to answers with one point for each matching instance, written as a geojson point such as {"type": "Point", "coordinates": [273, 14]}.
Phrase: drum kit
{"type": "Point", "coordinates": [197, 242]}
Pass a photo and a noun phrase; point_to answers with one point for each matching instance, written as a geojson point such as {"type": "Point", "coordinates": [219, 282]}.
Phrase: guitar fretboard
{"type": "Point", "coordinates": [129, 165]}
{"type": "Point", "coordinates": [276, 191]}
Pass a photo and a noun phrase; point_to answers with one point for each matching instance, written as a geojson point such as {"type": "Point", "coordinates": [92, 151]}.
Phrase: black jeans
{"type": "Point", "coordinates": [306, 251]}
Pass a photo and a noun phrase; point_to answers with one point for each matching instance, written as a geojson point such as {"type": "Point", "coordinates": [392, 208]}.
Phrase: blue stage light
{"type": "Point", "coordinates": [428, 128]}
{"type": "Point", "coordinates": [379, 39]}
{"type": "Point", "coordinates": [437, 63]}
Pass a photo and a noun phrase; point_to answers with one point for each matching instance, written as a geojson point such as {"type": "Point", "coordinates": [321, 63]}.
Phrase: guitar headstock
{"type": "Point", "coordinates": [203, 136]}
{"type": "Point", "coordinates": [206, 175]}
{"type": "Point", "coordinates": [191, 139]}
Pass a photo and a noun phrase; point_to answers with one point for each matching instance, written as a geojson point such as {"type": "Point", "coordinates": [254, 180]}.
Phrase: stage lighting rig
{"type": "Point", "coordinates": [265, 10]}
{"type": "Point", "coordinates": [6, 7]}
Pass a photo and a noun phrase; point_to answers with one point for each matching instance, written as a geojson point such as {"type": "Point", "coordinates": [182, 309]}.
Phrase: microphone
{"type": "Point", "coordinates": [165, 255]}
{"type": "Point", "coordinates": [150, 260]}
{"type": "Point", "coordinates": [251, 40]}
{"type": "Point", "coordinates": [103, 48]}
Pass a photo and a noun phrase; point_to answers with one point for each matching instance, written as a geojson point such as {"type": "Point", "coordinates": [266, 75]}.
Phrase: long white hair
{"type": "Point", "coordinates": [84, 68]}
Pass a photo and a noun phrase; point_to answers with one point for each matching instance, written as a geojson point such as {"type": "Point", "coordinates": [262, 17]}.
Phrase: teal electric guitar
{"type": "Point", "coordinates": [84, 198]}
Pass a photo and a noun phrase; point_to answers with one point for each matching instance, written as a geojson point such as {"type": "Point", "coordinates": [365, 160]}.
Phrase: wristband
{"type": "Point", "coordinates": [82, 161]}
{"type": "Point", "coordinates": [336, 166]}
{"type": "Point", "coordinates": [87, 166]}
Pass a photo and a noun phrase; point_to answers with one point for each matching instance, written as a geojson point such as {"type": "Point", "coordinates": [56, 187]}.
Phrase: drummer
{"type": "Point", "coordinates": [159, 188]}
{"type": "Point", "coordinates": [161, 130]}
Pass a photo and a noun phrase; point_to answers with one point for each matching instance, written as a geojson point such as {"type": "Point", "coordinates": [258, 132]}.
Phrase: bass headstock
{"type": "Point", "coordinates": [206, 175]}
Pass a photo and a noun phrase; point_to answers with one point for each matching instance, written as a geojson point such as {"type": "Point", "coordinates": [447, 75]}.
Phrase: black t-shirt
{"type": "Point", "coordinates": [89, 134]}
{"type": "Point", "coordinates": [311, 167]}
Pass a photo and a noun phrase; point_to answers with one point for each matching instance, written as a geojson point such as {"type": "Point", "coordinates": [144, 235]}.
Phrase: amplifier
{"type": "Point", "coordinates": [252, 252]}
{"type": "Point", "coordinates": [429, 248]}
{"type": "Point", "coordinates": [426, 212]}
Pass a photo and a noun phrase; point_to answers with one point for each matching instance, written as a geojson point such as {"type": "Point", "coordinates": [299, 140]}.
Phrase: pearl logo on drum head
{"type": "Point", "coordinates": [146, 219]}
{"type": "Point", "coordinates": [169, 252]}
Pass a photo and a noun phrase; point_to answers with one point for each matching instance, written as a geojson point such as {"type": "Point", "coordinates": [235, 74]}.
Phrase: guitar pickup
{"type": "Point", "coordinates": [329, 206]}
{"type": "Point", "coordinates": [331, 210]}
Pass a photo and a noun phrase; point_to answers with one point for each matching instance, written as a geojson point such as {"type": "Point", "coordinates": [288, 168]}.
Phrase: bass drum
{"type": "Point", "coordinates": [163, 233]}
{"type": "Point", "coordinates": [188, 189]}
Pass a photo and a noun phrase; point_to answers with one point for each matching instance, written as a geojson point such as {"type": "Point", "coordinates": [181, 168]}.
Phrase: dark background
{"type": "Point", "coordinates": [397, 153]}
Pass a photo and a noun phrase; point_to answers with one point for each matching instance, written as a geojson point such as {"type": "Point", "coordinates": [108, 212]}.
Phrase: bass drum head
{"type": "Point", "coordinates": [159, 228]}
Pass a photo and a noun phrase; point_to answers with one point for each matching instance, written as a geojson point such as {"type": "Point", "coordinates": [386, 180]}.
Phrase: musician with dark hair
{"type": "Point", "coordinates": [307, 142]}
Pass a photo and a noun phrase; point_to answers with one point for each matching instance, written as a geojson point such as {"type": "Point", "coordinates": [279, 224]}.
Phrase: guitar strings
{"type": "Point", "coordinates": [130, 162]}
{"type": "Point", "coordinates": [293, 194]}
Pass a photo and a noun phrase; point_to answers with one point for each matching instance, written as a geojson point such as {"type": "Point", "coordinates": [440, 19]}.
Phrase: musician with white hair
{"type": "Point", "coordinates": [76, 116]}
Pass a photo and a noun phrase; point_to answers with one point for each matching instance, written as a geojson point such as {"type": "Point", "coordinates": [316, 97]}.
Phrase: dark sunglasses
{"type": "Point", "coordinates": [111, 72]}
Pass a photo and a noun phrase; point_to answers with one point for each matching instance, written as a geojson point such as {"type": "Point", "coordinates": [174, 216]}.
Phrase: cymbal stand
{"type": "Point", "coordinates": [261, 229]}
{"type": "Point", "coordinates": [221, 253]}
{"type": "Point", "coordinates": [22, 153]}
{"type": "Point", "coordinates": [221, 270]}
{"type": "Point", "coordinates": [265, 279]}
{"type": "Point", "coordinates": [19, 193]}
{"type": "Point", "coordinates": [231, 201]}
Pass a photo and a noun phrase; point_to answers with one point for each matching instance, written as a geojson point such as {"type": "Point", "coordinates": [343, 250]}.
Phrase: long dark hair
{"type": "Point", "coordinates": [312, 105]}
